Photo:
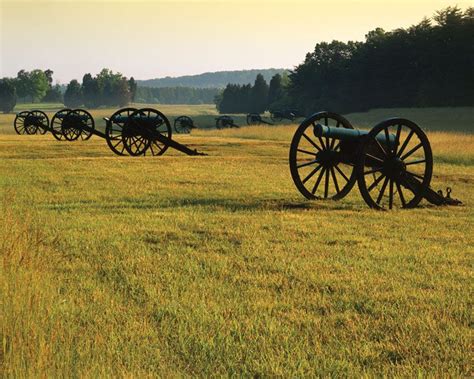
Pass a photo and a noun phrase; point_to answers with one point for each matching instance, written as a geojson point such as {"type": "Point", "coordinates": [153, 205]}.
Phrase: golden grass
{"type": "Point", "coordinates": [216, 266]}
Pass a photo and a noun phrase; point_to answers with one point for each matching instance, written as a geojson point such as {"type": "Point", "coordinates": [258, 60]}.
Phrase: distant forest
{"type": "Point", "coordinates": [425, 65]}
{"type": "Point", "coordinates": [176, 95]}
{"type": "Point", "coordinates": [428, 64]}
{"type": "Point", "coordinates": [211, 79]}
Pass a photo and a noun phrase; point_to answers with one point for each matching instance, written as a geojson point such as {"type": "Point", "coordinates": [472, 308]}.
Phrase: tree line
{"type": "Point", "coordinates": [31, 86]}
{"type": "Point", "coordinates": [428, 64]}
{"type": "Point", "coordinates": [176, 95]}
{"type": "Point", "coordinates": [105, 89]}
{"type": "Point", "coordinates": [256, 98]}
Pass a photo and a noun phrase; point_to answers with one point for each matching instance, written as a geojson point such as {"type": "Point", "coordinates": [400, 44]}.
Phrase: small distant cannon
{"type": "Point", "coordinates": [72, 124]}
{"type": "Point", "coordinates": [256, 119]}
{"type": "Point", "coordinates": [287, 114]}
{"type": "Point", "coordinates": [184, 125]}
{"type": "Point", "coordinates": [392, 163]}
{"type": "Point", "coordinates": [31, 122]}
{"type": "Point", "coordinates": [225, 122]}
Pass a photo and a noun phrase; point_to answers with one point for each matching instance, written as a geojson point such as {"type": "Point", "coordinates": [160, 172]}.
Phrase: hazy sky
{"type": "Point", "coordinates": [149, 39]}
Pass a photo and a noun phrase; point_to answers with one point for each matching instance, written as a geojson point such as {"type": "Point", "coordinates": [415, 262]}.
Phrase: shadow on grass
{"type": "Point", "coordinates": [210, 204]}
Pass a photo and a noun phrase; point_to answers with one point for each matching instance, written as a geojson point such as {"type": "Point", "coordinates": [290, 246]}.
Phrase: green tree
{"type": "Point", "coordinates": [276, 91]}
{"type": "Point", "coordinates": [91, 91]}
{"type": "Point", "coordinates": [132, 84]}
{"type": "Point", "coordinates": [53, 95]}
{"type": "Point", "coordinates": [7, 95]}
{"type": "Point", "coordinates": [73, 94]}
{"type": "Point", "coordinates": [259, 95]}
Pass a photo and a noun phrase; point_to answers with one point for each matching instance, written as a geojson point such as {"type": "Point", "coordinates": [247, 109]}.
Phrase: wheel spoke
{"type": "Point", "coordinates": [375, 183]}
{"type": "Point", "coordinates": [336, 184]}
{"type": "Point", "coordinates": [411, 151]}
{"type": "Point", "coordinates": [311, 174]}
{"type": "Point", "coordinates": [307, 163]}
{"type": "Point", "coordinates": [400, 193]}
{"type": "Point", "coordinates": [415, 175]}
{"type": "Point", "coordinates": [341, 172]}
{"type": "Point", "coordinates": [375, 158]}
{"type": "Point", "coordinates": [326, 184]}
{"type": "Point", "coordinates": [311, 142]}
{"type": "Point", "coordinates": [416, 162]}
{"type": "Point", "coordinates": [405, 143]}
{"type": "Point", "coordinates": [316, 184]}
{"type": "Point", "coordinates": [306, 152]}
{"type": "Point", "coordinates": [390, 195]}
{"type": "Point", "coordinates": [378, 169]}
{"type": "Point", "coordinates": [381, 147]}
{"type": "Point", "coordinates": [384, 185]}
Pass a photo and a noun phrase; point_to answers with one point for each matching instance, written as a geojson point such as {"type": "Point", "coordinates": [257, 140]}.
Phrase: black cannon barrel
{"type": "Point", "coordinates": [345, 134]}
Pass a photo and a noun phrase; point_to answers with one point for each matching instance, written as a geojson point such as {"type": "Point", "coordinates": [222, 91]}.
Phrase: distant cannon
{"type": "Point", "coordinates": [256, 119]}
{"type": "Point", "coordinates": [31, 122]}
{"type": "Point", "coordinates": [72, 124]}
{"type": "Point", "coordinates": [225, 122]}
{"type": "Point", "coordinates": [392, 163]}
{"type": "Point", "coordinates": [287, 114]}
{"type": "Point", "coordinates": [184, 125]}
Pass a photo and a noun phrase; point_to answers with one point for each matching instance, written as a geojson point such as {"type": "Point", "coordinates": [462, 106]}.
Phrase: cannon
{"type": "Point", "coordinates": [140, 132]}
{"type": "Point", "coordinates": [31, 122]}
{"type": "Point", "coordinates": [72, 124]}
{"type": "Point", "coordinates": [392, 163]}
{"type": "Point", "coordinates": [184, 125]}
{"type": "Point", "coordinates": [225, 122]}
{"type": "Point", "coordinates": [287, 114]}
{"type": "Point", "coordinates": [256, 119]}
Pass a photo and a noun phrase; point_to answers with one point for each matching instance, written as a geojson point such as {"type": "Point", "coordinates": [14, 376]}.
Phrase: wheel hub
{"type": "Point", "coordinates": [394, 168]}
{"type": "Point", "coordinates": [328, 158]}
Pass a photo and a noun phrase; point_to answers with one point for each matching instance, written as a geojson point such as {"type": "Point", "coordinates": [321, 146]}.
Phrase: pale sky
{"type": "Point", "coordinates": [157, 38]}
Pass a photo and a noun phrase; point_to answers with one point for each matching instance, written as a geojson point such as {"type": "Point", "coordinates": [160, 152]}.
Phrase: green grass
{"type": "Point", "coordinates": [216, 266]}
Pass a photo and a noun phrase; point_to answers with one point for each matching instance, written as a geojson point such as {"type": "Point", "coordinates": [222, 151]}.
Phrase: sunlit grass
{"type": "Point", "coordinates": [216, 266]}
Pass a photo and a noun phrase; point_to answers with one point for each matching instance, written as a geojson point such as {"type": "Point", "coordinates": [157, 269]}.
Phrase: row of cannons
{"type": "Point", "coordinates": [37, 122]}
{"type": "Point", "coordinates": [130, 131]}
{"type": "Point", "coordinates": [392, 163]}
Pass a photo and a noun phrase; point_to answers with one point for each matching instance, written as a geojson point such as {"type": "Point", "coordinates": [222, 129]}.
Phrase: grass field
{"type": "Point", "coordinates": [212, 266]}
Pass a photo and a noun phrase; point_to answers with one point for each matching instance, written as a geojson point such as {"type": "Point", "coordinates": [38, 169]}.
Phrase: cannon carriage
{"type": "Point", "coordinates": [184, 125]}
{"type": "Point", "coordinates": [256, 119]}
{"type": "Point", "coordinates": [225, 122]}
{"type": "Point", "coordinates": [392, 163]}
{"type": "Point", "coordinates": [144, 131]}
{"type": "Point", "coordinates": [286, 114]}
{"type": "Point", "coordinates": [31, 122]}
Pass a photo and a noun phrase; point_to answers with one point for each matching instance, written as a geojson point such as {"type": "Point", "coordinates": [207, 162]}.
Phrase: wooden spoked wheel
{"type": "Point", "coordinates": [183, 125]}
{"type": "Point", "coordinates": [37, 121]}
{"type": "Point", "coordinates": [114, 130]}
{"type": "Point", "coordinates": [56, 124]}
{"type": "Point", "coordinates": [140, 130]}
{"type": "Point", "coordinates": [317, 166]}
{"type": "Point", "coordinates": [19, 123]}
{"type": "Point", "coordinates": [395, 165]}
{"type": "Point", "coordinates": [76, 124]}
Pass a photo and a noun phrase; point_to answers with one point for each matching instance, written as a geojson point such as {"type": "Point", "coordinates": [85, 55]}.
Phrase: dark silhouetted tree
{"type": "Point", "coordinates": [7, 95]}
{"type": "Point", "coordinates": [73, 94]}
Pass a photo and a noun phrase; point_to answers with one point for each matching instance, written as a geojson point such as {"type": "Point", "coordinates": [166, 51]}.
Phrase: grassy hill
{"type": "Point", "coordinates": [216, 265]}
{"type": "Point", "coordinates": [212, 79]}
